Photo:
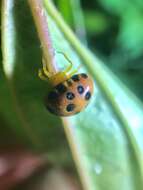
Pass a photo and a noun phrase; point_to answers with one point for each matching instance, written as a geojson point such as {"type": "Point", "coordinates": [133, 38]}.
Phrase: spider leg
{"type": "Point", "coordinates": [71, 64]}
{"type": "Point", "coordinates": [75, 71]}
{"type": "Point", "coordinates": [45, 70]}
{"type": "Point", "coordinates": [42, 75]}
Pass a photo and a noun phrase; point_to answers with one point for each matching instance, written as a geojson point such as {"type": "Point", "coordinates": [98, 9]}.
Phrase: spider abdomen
{"type": "Point", "coordinates": [71, 96]}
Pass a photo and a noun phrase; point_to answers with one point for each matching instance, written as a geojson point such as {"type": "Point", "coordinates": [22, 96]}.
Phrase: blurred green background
{"type": "Point", "coordinates": [114, 32]}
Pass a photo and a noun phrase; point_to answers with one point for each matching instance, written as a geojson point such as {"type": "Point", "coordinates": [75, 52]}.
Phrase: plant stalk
{"type": "Point", "coordinates": [40, 19]}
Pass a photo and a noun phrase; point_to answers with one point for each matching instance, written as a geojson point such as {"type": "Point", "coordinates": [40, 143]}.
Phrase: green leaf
{"type": "Point", "coordinates": [131, 26]}
{"type": "Point", "coordinates": [22, 97]}
{"type": "Point", "coordinates": [121, 7]}
{"type": "Point", "coordinates": [71, 10]}
{"type": "Point", "coordinates": [130, 36]}
{"type": "Point", "coordinates": [96, 22]}
{"type": "Point", "coordinates": [106, 138]}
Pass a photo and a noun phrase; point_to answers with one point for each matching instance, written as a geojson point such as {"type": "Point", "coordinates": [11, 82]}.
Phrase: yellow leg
{"type": "Point", "coordinates": [41, 75]}
{"type": "Point", "coordinates": [71, 64]}
{"type": "Point", "coordinates": [74, 71]}
{"type": "Point", "coordinates": [45, 71]}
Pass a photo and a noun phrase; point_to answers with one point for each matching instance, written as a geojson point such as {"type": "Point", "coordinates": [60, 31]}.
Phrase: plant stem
{"type": "Point", "coordinates": [42, 29]}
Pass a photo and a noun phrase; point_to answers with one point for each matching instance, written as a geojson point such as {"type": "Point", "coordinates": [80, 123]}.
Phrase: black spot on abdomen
{"type": "Point", "coordinates": [80, 89]}
{"type": "Point", "coordinates": [70, 95]}
{"type": "Point", "coordinates": [61, 88]}
{"type": "Point", "coordinates": [70, 107]}
{"type": "Point", "coordinates": [83, 75]}
{"type": "Point", "coordinates": [52, 95]}
{"type": "Point", "coordinates": [88, 96]}
{"type": "Point", "coordinates": [75, 78]}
